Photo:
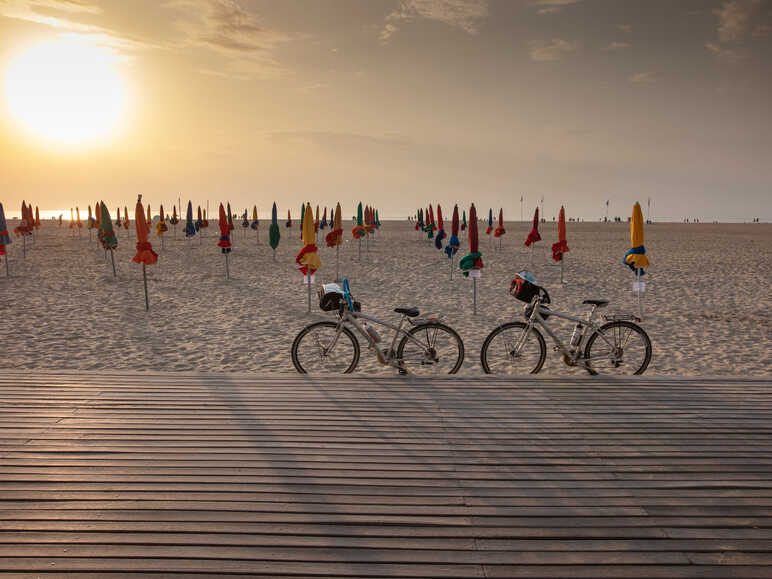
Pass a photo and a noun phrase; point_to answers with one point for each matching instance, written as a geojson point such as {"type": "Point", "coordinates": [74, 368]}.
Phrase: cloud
{"type": "Point", "coordinates": [726, 53]}
{"type": "Point", "coordinates": [225, 27]}
{"type": "Point", "coordinates": [644, 78]}
{"type": "Point", "coordinates": [614, 46]}
{"type": "Point", "coordinates": [735, 18]}
{"type": "Point", "coordinates": [553, 6]}
{"type": "Point", "coordinates": [467, 15]}
{"type": "Point", "coordinates": [554, 50]}
{"type": "Point", "coordinates": [28, 10]}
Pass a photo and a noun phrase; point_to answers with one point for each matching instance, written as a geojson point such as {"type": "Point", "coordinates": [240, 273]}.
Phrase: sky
{"type": "Point", "coordinates": [400, 103]}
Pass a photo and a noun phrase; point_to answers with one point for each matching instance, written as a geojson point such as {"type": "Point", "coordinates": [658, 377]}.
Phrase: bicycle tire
{"type": "Point", "coordinates": [307, 331]}
{"type": "Point", "coordinates": [439, 327]}
{"type": "Point", "coordinates": [508, 326]}
{"type": "Point", "coordinates": [617, 364]}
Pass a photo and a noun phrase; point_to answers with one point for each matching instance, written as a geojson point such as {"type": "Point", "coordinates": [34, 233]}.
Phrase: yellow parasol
{"type": "Point", "coordinates": [636, 258]}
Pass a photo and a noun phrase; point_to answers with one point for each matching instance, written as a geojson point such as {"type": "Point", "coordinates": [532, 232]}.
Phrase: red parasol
{"type": "Point", "coordinates": [473, 238]}
{"type": "Point", "coordinates": [561, 247]}
{"type": "Point", "coordinates": [225, 239]}
{"type": "Point", "coordinates": [500, 229]}
{"type": "Point", "coordinates": [534, 236]}
{"type": "Point", "coordinates": [145, 254]}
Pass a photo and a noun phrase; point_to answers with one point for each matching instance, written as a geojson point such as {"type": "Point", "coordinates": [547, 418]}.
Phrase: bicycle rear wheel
{"type": "Point", "coordinates": [500, 355]}
{"type": "Point", "coordinates": [431, 349]}
{"type": "Point", "coordinates": [321, 349]}
{"type": "Point", "coordinates": [625, 351]}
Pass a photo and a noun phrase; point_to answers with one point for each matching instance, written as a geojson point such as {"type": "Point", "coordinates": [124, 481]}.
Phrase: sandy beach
{"type": "Point", "coordinates": [707, 308]}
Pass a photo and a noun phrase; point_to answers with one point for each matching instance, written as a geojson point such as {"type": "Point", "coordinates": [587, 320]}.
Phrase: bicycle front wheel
{"type": "Point", "coordinates": [431, 349]}
{"type": "Point", "coordinates": [509, 350]}
{"type": "Point", "coordinates": [323, 348]}
{"type": "Point", "coordinates": [620, 348]}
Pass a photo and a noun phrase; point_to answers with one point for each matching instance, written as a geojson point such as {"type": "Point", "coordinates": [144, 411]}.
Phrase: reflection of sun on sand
{"type": "Point", "coordinates": [707, 306]}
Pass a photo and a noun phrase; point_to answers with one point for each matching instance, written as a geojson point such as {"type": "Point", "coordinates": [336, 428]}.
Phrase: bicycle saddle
{"type": "Point", "coordinates": [409, 312]}
{"type": "Point", "coordinates": [599, 303]}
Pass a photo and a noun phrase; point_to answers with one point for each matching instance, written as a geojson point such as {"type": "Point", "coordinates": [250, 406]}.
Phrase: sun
{"type": "Point", "coordinates": [66, 91]}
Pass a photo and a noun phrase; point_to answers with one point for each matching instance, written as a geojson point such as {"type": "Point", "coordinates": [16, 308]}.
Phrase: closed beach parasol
{"type": "Point", "coordinates": [635, 258]}
{"type": "Point", "coordinates": [463, 221]}
{"type": "Point", "coordinates": [37, 218]}
{"type": "Point", "coordinates": [273, 231]}
{"type": "Point", "coordinates": [204, 221]}
{"type": "Point", "coordinates": [160, 227]}
{"type": "Point", "coordinates": [145, 254]}
{"type": "Point", "coordinates": [533, 235]}
{"type": "Point", "coordinates": [199, 220]}
{"type": "Point", "coordinates": [316, 221]}
{"type": "Point", "coordinates": [107, 234]}
{"type": "Point", "coordinates": [335, 237]}
{"type": "Point", "coordinates": [78, 222]}
{"type": "Point", "coordinates": [561, 247]}
{"type": "Point", "coordinates": [225, 239]}
{"type": "Point", "coordinates": [323, 224]}
{"type": "Point", "coordinates": [308, 256]}
{"type": "Point", "coordinates": [255, 222]}
{"type": "Point", "coordinates": [430, 224]}
{"type": "Point", "coordinates": [245, 220]}
{"type": "Point", "coordinates": [98, 216]}
{"type": "Point", "coordinates": [359, 231]}
{"type": "Point", "coordinates": [453, 243]}
{"type": "Point", "coordinates": [90, 222]}
{"type": "Point", "coordinates": [149, 216]}
{"type": "Point", "coordinates": [441, 226]}
{"type": "Point", "coordinates": [125, 218]}
{"type": "Point", "coordinates": [472, 263]}
{"type": "Point", "coordinates": [289, 219]}
{"type": "Point", "coordinates": [489, 230]}
{"type": "Point", "coordinates": [5, 239]}
{"type": "Point", "coordinates": [174, 220]}
{"type": "Point", "coordinates": [302, 218]}
{"type": "Point", "coordinates": [190, 227]}
{"type": "Point", "coordinates": [500, 229]}
{"type": "Point", "coordinates": [118, 222]}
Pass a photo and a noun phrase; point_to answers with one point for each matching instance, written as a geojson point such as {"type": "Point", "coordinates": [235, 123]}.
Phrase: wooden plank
{"type": "Point", "coordinates": [173, 474]}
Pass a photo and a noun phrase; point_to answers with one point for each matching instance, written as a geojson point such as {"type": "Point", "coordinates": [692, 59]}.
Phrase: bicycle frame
{"type": "Point", "coordinates": [576, 356]}
{"type": "Point", "coordinates": [389, 356]}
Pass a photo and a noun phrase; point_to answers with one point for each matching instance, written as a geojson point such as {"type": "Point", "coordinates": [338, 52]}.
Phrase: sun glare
{"type": "Point", "coordinates": [65, 91]}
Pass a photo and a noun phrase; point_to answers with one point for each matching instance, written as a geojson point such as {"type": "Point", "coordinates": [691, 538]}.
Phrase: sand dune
{"type": "Point", "coordinates": [707, 309]}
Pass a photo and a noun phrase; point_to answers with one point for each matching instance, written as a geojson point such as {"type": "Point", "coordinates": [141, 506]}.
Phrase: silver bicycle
{"type": "Point", "coordinates": [418, 346]}
{"type": "Point", "coordinates": [618, 346]}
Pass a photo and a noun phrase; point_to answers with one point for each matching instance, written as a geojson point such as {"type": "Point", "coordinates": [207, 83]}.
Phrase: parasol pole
{"type": "Point", "coordinates": [274, 254]}
{"type": "Point", "coordinates": [638, 287]}
{"type": "Point", "coordinates": [24, 245]}
{"type": "Point", "coordinates": [227, 267]}
{"type": "Point", "coordinates": [112, 258]}
{"type": "Point", "coordinates": [144, 278]}
{"type": "Point", "coordinates": [7, 271]}
{"type": "Point", "coordinates": [360, 250]}
{"type": "Point", "coordinates": [561, 269]}
{"type": "Point", "coordinates": [474, 286]}
{"type": "Point", "coordinates": [532, 247]}
{"type": "Point", "coordinates": [452, 259]}
{"type": "Point", "coordinates": [337, 260]}
{"type": "Point", "coordinates": [308, 281]}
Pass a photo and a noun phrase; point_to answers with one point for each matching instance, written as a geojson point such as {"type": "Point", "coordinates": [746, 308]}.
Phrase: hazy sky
{"type": "Point", "coordinates": [403, 102]}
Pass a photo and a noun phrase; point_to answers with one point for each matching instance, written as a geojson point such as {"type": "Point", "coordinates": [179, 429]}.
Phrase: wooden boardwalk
{"type": "Point", "coordinates": [176, 474]}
